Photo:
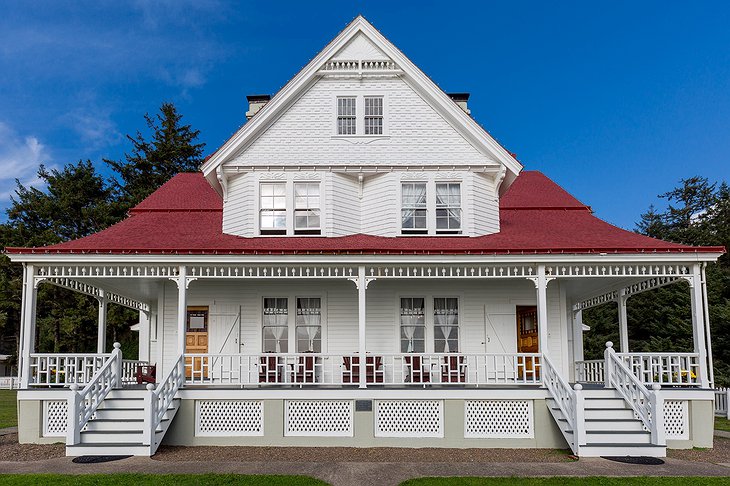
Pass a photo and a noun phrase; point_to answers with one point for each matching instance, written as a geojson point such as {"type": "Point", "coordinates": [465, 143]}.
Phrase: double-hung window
{"type": "Point", "coordinates": [448, 207]}
{"type": "Point", "coordinates": [373, 115]}
{"type": "Point", "coordinates": [347, 115]}
{"type": "Point", "coordinates": [431, 208]}
{"type": "Point", "coordinates": [273, 208]}
{"type": "Point", "coordinates": [309, 325]}
{"type": "Point", "coordinates": [446, 325]}
{"type": "Point", "coordinates": [414, 208]}
{"type": "Point", "coordinates": [412, 325]}
{"type": "Point", "coordinates": [306, 208]}
{"type": "Point", "coordinates": [276, 325]}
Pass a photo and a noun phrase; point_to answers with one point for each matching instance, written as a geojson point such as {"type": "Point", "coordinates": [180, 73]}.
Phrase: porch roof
{"type": "Point", "coordinates": [537, 216]}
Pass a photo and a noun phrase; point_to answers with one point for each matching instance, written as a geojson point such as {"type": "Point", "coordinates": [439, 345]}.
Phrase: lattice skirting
{"type": "Point", "coordinates": [409, 418]}
{"type": "Point", "coordinates": [496, 419]}
{"type": "Point", "coordinates": [229, 418]}
{"type": "Point", "coordinates": [55, 418]}
{"type": "Point", "coordinates": [318, 418]}
{"type": "Point", "coordinates": [676, 419]}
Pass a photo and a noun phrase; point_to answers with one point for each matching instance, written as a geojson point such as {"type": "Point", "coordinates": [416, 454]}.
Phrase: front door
{"type": "Point", "coordinates": [527, 337]}
{"type": "Point", "coordinates": [196, 342]}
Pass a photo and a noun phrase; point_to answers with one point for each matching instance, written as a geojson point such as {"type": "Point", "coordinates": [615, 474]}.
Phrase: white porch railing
{"type": "Point", "coordinates": [158, 400]}
{"type": "Point", "coordinates": [129, 370]}
{"type": "Point", "coordinates": [722, 399]}
{"type": "Point", "coordinates": [570, 401]}
{"type": "Point", "coordinates": [54, 369]}
{"type": "Point", "coordinates": [648, 405]}
{"type": "Point", "coordinates": [668, 369]}
{"type": "Point", "coordinates": [590, 371]}
{"type": "Point", "coordinates": [83, 404]}
{"type": "Point", "coordinates": [298, 369]}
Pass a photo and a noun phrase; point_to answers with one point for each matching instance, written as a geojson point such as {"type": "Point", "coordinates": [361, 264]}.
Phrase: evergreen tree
{"type": "Point", "coordinates": [172, 149]}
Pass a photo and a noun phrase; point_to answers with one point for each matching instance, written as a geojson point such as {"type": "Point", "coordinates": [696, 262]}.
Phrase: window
{"type": "Point", "coordinates": [276, 325]}
{"type": "Point", "coordinates": [446, 325]}
{"type": "Point", "coordinates": [373, 115]}
{"type": "Point", "coordinates": [306, 208]}
{"type": "Point", "coordinates": [273, 208]}
{"type": "Point", "coordinates": [412, 325]}
{"type": "Point", "coordinates": [413, 208]}
{"type": "Point", "coordinates": [448, 207]}
{"type": "Point", "coordinates": [346, 116]}
{"type": "Point", "coordinates": [309, 325]}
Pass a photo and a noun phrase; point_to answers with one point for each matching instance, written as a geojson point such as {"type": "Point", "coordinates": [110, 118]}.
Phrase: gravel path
{"type": "Point", "coordinates": [719, 454]}
{"type": "Point", "coordinates": [10, 450]}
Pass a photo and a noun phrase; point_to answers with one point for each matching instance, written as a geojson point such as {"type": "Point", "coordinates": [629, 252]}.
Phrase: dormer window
{"type": "Point", "coordinates": [306, 208]}
{"type": "Point", "coordinates": [448, 207]}
{"type": "Point", "coordinates": [430, 208]}
{"type": "Point", "coordinates": [273, 208]}
{"type": "Point", "coordinates": [360, 115]}
{"type": "Point", "coordinates": [289, 208]}
{"type": "Point", "coordinates": [414, 211]}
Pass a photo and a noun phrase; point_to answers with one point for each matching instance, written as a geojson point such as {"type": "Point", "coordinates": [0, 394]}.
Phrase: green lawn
{"type": "Point", "coordinates": [722, 424]}
{"type": "Point", "coordinates": [157, 480]}
{"type": "Point", "coordinates": [8, 408]}
{"type": "Point", "coordinates": [602, 481]}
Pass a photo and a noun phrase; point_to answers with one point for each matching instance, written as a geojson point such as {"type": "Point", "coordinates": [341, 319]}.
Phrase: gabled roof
{"type": "Point", "coordinates": [537, 216]}
{"type": "Point", "coordinates": [439, 100]}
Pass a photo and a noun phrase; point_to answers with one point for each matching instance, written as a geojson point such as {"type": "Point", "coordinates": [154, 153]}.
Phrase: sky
{"type": "Point", "coordinates": [616, 101]}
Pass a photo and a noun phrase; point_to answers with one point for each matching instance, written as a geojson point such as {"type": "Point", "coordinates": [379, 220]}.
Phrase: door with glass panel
{"type": "Point", "coordinates": [196, 342]}
{"type": "Point", "coordinates": [527, 340]}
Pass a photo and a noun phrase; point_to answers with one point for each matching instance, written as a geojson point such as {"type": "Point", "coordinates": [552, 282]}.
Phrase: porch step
{"type": "Point", "coordinates": [108, 449]}
{"type": "Point", "coordinates": [633, 450]}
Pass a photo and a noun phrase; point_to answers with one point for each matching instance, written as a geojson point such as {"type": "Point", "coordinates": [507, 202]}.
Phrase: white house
{"type": "Point", "coordinates": [361, 216]}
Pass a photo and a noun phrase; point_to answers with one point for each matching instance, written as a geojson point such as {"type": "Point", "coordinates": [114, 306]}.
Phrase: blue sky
{"type": "Point", "coordinates": [616, 101]}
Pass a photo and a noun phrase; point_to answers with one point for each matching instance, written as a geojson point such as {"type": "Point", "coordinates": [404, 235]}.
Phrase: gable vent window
{"type": "Point", "coordinates": [373, 115]}
{"type": "Point", "coordinates": [413, 208]}
{"type": "Point", "coordinates": [306, 208]}
{"type": "Point", "coordinates": [448, 207]}
{"type": "Point", "coordinates": [273, 208]}
{"type": "Point", "coordinates": [346, 116]}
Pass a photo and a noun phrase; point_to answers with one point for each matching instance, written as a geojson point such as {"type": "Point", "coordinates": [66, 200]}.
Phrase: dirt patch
{"type": "Point", "coordinates": [354, 454]}
{"type": "Point", "coordinates": [720, 453]}
{"type": "Point", "coordinates": [10, 450]}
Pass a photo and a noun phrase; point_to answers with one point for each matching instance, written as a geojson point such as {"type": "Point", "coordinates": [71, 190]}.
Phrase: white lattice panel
{"type": "Point", "coordinates": [331, 418]}
{"type": "Point", "coordinates": [229, 417]}
{"type": "Point", "coordinates": [409, 418]}
{"type": "Point", "coordinates": [676, 423]}
{"type": "Point", "coordinates": [498, 419]}
{"type": "Point", "coordinates": [55, 418]}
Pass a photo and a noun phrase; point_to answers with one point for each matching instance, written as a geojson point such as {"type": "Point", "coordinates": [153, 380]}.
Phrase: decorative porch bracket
{"type": "Point", "coordinates": [96, 292]}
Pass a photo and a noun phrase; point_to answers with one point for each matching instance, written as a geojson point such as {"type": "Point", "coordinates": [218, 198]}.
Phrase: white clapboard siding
{"type": "Point", "coordinates": [380, 205]}
{"type": "Point", "coordinates": [343, 209]}
{"type": "Point", "coordinates": [239, 207]}
{"type": "Point", "coordinates": [483, 205]}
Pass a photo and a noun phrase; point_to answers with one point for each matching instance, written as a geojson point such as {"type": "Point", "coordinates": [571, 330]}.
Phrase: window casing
{"type": "Point", "coordinates": [431, 208]}
{"type": "Point", "coordinates": [290, 208]}
{"type": "Point", "coordinates": [306, 208]}
{"type": "Point", "coordinates": [272, 219]}
{"type": "Point", "coordinates": [446, 325]}
{"type": "Point", "coordinates": [347, 115]}
{"type": "Point", "coordinates": [373, 115]}
{"type": "Point", "coordinates": [275, 325]}
{"type": "Point", "coordinates": [413, 208]}
{"type": "Point", "coordinates": [413, 324]}
{"type": "Point", "coordinates": [360, 115]}
{"type": "Point", "coordinates": [308, 325]}
{"type": "Point", "coordinates": [448, 207]}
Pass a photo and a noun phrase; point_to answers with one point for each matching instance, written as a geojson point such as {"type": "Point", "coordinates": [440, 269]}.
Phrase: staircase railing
{"type": "Point", "coordinates": [648, 405]}
{"type": "Point", "coordinates": [83, 404]}
{"type": "Point", "coordinates": [569, 400]}
{"type": "Point", "coordinates": [159, 399]}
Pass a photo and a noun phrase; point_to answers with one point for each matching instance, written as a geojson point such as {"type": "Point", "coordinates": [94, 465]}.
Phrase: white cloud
{"type": "Point", "coordinates": [20, 157]}
{"type": "Point", "coordinates": [95, 128]}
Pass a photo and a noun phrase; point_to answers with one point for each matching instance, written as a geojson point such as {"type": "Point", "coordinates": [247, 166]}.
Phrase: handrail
{"type": "Point", "coordinates": [159, 399]}
{"type": "Point", "coordinates": [648, 405]}
{"type": "Point", "coordinates": [569, 400]}
{"type": "Point", "coordinates": [83, 404]}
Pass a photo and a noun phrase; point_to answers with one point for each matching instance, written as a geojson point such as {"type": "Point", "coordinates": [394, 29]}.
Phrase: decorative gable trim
{"type": "Point", "coordinates": [350, 41]}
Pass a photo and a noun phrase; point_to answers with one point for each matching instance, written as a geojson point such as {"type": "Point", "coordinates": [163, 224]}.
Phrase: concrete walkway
{"type": "Point", "coordinates": [722, 433]}
{"type": "Point", "coordinates": [358, 473]}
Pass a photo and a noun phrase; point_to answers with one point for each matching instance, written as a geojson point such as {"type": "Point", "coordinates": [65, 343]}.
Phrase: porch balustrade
{"type": "Point", "coordinates": [667, 369]}
{"type": "Point", "coordinates": [53, 369]}
{"type": "Point", "coordinates": [129, 370]}
{"type": "Point", "coordinates": [299, 369]}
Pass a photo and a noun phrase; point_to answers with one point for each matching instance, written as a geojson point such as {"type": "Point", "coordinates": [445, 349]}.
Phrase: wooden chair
{"type": "Point", "coordinates": [418, 372]}
{"type": "Point", "coordinates": [269, 370]}
{"type": "Point", "coordinates": [373, 369]}
{"type": "Point", "coordinates": [304, 371]}
{"type": "Point", "coordinates": [453, 370]}
{"type": "Point", "coordinates": [146, 373]}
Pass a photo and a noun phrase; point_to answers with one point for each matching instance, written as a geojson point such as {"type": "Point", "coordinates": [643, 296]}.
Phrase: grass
{"type": "Point", "coordinates": [602, 481]}
{"type": "Point", "coordinates": [722, 424]}
{"type": "Point", "coordinates": [8, 408]}
{"type": "Point", "coordinates": [158, 480]}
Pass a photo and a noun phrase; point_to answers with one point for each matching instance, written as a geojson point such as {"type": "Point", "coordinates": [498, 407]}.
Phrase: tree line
{"type": "Point", "coordinates": [77, 201]}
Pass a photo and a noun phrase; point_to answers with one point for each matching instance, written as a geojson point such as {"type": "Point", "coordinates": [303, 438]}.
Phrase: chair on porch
{"type": "Point", "coordinates": [145, 373]}
{"type": "Point", "coordinates": [373, 369]}
{"type": "Point", "coordinates": [304, 370]}
{"type": "Point", "coordinates": [416, 370]}
{"type": "Point", "coordinates": [269, 370]}
{"type": "Point", "coordinates": [453, 369]}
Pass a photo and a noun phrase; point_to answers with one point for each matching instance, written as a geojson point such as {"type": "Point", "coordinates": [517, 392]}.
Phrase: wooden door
{"type": "Point", "coordinates": [196, 342]}
{"type": "Point", "coordinates": [527, 341]}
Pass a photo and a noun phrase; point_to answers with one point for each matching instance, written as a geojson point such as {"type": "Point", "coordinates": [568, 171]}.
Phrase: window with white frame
{"type": "Point", "coordinates": [446, 325]}
{"type": "Point", "coordinates": [412, 325]}
{"type": "Point", "coordinates": [306, 208]}
{"type": "Point", "coordinates": [276, 325]}
{"type": "Point", "coordinates": [309, 325]}
{"type": "Point", "coordinates": [414, 208]}
{"type": "Point", "coordinates": [272, 218]}
{"type": "Point", "coordinates": [373, 115]}
{"type": "Point", "coordinates": [448, 207]}
{"type": "Point", "coordinates": [347, 115]}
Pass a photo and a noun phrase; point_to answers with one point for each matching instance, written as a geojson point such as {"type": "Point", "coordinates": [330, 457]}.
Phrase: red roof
{"type": "Point", "coordinates": [185, 215]}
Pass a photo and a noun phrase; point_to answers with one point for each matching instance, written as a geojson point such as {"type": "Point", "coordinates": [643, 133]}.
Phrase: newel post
{"type": "Point", "coordinates": [149, 413]}
{"type": "Point", "coordinates": [658, 432]}
{"type": "Point", "coordinates": [117, 371]}
{"type": "Point", "coordinates": [608, 364]}
{"type": "Point", "coordinates": [580, 415]}
{"type": "Point", "coordinates": [73, 434]}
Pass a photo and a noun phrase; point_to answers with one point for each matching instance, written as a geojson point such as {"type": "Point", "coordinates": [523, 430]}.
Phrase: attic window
{"type": "Point", "coordinates": [346, 116]}
{"type": "Point", "coordinates": [373, 115]}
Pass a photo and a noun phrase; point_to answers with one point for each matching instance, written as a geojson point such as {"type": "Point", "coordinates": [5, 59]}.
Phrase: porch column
{"type": "Point", "coordinates": [30, 294]}
{"type": "Point", "coordinates": [623, 324]}
{"type": "Point", "coordinates": [578, 335]}
{"type": "Point", "coordinates": [698, 323]}
{"type": "Point", "coordinates": [361, 313]}
{"type": "Point", "coordinates": [101, 337]}
{"type": "Point", "coordinates": [542, 313]}
{"type": "Point", "coordinates": [145, 322]}
{"type": "Point", "coordinates": [708, 336]}
{"type": "Point", "coordinates": [182, 308]}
